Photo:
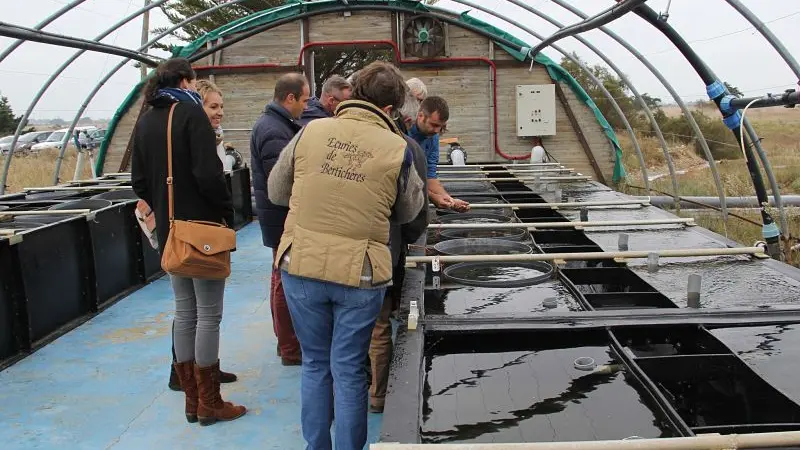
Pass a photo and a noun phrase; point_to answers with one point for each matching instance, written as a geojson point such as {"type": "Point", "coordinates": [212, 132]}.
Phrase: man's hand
{"type": "Point", "coordinates": [459, 205]}
{"type": "Point", "coordinates": [445, 201]}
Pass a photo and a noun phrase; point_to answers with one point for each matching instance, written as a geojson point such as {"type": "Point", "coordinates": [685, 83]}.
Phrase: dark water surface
{"type": "Point", "coordinates": [530, 396]}
{"type": "Point", "coordinates": [478, 300]}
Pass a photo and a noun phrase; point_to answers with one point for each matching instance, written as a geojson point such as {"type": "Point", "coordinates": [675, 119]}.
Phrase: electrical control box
{"type": "Point", "coordinates": [536, 110]}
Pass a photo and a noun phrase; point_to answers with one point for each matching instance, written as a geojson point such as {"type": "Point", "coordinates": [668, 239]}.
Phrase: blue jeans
{"type": "Point", "coordinates": [333, 324]}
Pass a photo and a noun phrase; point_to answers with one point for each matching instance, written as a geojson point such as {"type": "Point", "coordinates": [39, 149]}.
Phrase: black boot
{"type": "Point", "coordinates": [175, 382]}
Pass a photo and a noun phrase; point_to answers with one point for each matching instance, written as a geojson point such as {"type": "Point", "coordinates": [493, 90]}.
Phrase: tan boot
{"type": "Point", "coordinates": [212, 408]}
{"type": "Point", "coordinates": [185, 372]}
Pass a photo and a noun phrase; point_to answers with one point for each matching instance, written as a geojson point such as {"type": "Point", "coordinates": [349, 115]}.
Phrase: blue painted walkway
{"type": "Point", "coordinates": [104, 384]}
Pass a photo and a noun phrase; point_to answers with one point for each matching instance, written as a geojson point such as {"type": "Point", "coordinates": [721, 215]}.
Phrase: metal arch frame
{"type": "Point", "coordinates": [56, 73]}
{"type": "Point", "coordinates": [687, 114]}
{"type": "Point", "coordinates": [116, 68]}
{"type": "Point", "coordinates": [585, 69]}
{"type": "Point", "coordinates": [47, 21]}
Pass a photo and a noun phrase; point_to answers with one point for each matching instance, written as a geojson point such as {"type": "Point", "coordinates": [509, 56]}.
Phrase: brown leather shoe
{"type": "Point", "coordinates": [186, 375]}
{"type": "Point", "coordinates": [175, 382]}
{"type": "Point", "coordinates": [211, 406]}
{"type": "Point", "coordinates": [291, 361]}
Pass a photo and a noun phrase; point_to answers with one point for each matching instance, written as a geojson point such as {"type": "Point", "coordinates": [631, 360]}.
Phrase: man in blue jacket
{"type": "Point", "coordinates": [334, 91]}
{"type": "Point", "coordinates": [271, 132]}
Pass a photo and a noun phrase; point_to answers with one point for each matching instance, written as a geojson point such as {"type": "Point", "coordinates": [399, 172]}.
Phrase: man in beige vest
{"type": "Point", "coordinates": [343, 178]}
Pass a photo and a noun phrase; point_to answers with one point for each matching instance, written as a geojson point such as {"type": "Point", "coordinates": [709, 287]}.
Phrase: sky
{"type": "Point", "coordinates": [730, 46]}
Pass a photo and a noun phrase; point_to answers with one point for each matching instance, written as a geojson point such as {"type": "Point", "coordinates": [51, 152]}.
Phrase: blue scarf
{"type": "Point", "coordinates": [179, 95]}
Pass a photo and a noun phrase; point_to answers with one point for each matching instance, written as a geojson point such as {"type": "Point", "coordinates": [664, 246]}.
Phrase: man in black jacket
{"type": "Point", "coordinates": [271, 132]}
{"type": "Point", "coordinates": [400, 237]}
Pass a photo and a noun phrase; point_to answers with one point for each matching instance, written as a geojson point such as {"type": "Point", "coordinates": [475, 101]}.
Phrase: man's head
{"type": "Point", "coordinates": [433, 115]}
{"type": "Point", "coordinates": [417, 91]}
{"type": "Point", "coordinates": [381, 84]}
{"type": "Point", "coordinates": [292, 92]}
{"type": "Point", "coordinates": [334, 91]}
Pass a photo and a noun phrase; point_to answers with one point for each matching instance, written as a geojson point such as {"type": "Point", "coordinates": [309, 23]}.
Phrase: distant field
{"type": "Point", "coordinates": [34, 171]}
{"type": "Point", "coordinates": [779, 129]}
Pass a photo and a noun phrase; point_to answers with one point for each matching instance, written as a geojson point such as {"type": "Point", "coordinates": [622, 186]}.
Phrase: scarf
{"type": "Point", "coordinates": [179, 95]}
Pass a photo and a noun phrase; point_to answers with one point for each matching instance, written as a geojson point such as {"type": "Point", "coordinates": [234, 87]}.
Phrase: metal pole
{"type": "Point", "coordinates": [614, 104]}
{"type": "Point", "coordinates": [119, 66]}
{"type": "Point", "coordinates": [689, 117]}
{"type": "Point", "coordinates": [767, 33]}
{"type": "Point", "coordinates": [145, 34]}
{"type": "Point", "coordinates": [47, 21]}
{"type": "Point", "coordinates": [53, 77]}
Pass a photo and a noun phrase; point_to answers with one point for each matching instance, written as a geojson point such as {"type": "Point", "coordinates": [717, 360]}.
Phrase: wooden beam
{"type": "Point", "coordinates": [579, 132]}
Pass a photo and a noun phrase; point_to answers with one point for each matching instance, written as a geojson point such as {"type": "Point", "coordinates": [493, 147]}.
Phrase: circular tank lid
{"type": "Point", "coordinates": [481, 246]}
{"type": "Point", "coordinates": [475, 217]}
{"type": "Point", "coordinates": [499, 273]}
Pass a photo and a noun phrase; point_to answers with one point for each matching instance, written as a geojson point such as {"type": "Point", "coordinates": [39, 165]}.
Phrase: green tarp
{"type": "Point", "coordinates": [293, 7]}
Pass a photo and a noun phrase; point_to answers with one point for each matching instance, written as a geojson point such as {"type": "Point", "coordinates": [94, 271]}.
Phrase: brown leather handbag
{"type": "Point", "coordinates": [194, 248]}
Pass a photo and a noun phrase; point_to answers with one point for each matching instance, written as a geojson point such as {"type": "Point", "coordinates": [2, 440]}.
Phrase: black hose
{"type": "Point", "coordinates": [730, 116]}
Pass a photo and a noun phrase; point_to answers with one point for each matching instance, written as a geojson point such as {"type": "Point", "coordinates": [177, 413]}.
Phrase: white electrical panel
{"type": "Point", "coordinates": [536, 110]}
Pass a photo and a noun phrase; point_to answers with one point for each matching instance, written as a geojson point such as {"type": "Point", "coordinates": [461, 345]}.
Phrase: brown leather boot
{"type": "Point", "coordinates": [212, 408]}
{"type": "Point", "coordinates": [186, 375]}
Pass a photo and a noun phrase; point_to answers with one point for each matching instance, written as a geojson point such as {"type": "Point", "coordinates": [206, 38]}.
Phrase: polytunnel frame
{"type": "Point", "coordinates": [743, 11]}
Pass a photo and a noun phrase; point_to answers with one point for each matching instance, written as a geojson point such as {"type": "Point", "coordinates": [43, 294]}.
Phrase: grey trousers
{"type": "Point", "coordinates": [198, 312]}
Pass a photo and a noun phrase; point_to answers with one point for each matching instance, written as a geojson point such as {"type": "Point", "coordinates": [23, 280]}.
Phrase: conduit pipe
{"type": "Point", "coordinates": [733, 202]}
{"type": "Point", "coordinates": [540, 225]}
{"type": "Point", "coordinates": [686, 113]}
{"type": "Point", "coordinates": [614, 104]}
{"type": "Point", "coordinates": [624, 78]}
{"type": "Point", "coordinates": [55, 75]}
{"type": "Point", "coordinates": [47, 21]}
{"type": "Point", "coordinates": [113, 71]}
{"type": "Point", "coordinates": [400, 60]}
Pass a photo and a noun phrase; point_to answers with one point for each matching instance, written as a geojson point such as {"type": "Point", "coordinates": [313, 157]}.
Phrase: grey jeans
{"type": "Point", "coordinates": [198, 312]}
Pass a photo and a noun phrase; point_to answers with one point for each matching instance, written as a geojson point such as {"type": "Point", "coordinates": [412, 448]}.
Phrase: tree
{"type": "Point", "coordinates": [8, 121]}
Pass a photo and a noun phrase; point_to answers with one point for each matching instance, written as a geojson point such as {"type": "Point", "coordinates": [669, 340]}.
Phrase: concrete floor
{"type": "Point", "coordinates": [103, 385]}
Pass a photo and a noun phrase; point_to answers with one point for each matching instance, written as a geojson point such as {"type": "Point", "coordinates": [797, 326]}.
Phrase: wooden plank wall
{"type": "Point", "coordinates": [121, 137]}
{"type": "Point", "coordinates": [466, 88]}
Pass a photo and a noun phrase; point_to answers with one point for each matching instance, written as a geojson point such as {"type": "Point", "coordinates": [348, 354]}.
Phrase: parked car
{"type": "Point", "coordinates": [28, 140]}
{"type": "Point", "coordinates": [5, 143]}
{"type": "Point", "coordinates": [54, 140]}
{"type": "Point", "coordinates": [96, 138]}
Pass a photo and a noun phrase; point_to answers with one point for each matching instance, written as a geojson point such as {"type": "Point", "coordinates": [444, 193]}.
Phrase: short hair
{"type": "Point", "coordinates": [335, 83]}
{"type": "Point", "coordinates": [381, 84]}
{"type": "Point", "coordinates": [169, 74]}
{"type": "Point", "coordinates": [433, 104]}
{"type": "Point", "coordinates": [417, 87]}
{"type": "Point", "coordinates": [290, 83]}
{"type": "Point", "coordinates": [205, 87]}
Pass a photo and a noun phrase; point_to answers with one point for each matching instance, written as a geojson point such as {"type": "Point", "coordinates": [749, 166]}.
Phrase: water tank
{"type": "Point", "coordinates": [538, 154]}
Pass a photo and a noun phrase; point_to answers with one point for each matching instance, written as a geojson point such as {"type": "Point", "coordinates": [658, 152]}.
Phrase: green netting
{"type": "Point", "coordinates": [293, 8]}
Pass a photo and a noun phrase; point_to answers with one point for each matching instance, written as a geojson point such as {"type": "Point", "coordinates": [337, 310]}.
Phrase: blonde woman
{"type": "Point", "coordinates": [213, 106]}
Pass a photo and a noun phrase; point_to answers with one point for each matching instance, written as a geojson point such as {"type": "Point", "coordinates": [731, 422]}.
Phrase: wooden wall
{"type": "Point", "coordinates": [467, 88]}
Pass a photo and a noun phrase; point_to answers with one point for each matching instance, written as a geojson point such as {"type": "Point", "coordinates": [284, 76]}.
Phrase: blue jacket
{"type": "Point", "coordinates": [430, 145]}
{"type": "Point", "coordinates": [314, 110]}
{"type": "Point", "coordinates": [271, 132]}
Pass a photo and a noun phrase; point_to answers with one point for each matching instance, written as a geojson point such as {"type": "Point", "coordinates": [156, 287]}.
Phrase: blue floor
{"type": "Point", "coordinates": [104, 384]}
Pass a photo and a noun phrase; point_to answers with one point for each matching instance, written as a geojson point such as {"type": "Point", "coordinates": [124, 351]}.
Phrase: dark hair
{"type": "Point", "coordinates": [290, 83]}
{"type": "Point", "coordinates": [169, 74]}
{"type": "Point", "coordinates": [433, 104]}
{"type": "Point", "coordinates": [381, 84]}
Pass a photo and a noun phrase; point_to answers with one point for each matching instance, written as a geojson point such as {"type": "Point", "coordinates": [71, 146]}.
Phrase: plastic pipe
{"type": "Point", "coordinates": [47, 21]}
{"type": "Point", "coordinates": [400, 60]}
{"type": "Point", "coordinates": [733, 202]}
{"type": "Point", "coordinates": [46, 212]}
{"type": "Point", "coordinates": [56, 74]}
{"type": "Point", "coordinates": [111, 73]}
{"type": "Point", "coordinates": [587, 71]}
{"type": "Point", "coordinates": [693, 291]}
{"type": "Point", "coordinates": [632, 254]}
{"type": "Point", "coordinates": [686, 113]}
{"type": "Point", "coordinates": [539, 225]}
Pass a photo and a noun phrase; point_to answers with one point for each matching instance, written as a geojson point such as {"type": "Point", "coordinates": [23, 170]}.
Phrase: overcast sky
{"type": "Point", "coordinates": [734, 50]}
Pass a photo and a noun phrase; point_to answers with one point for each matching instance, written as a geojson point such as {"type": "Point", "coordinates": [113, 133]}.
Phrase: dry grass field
{"type": "Point", "coordinates": [37, 170]}
{"type": "Point", "coordinates": [779, 129]}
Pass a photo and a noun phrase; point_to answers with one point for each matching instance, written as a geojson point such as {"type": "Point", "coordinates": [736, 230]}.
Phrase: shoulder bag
{"type": "Point", "coordinates": [194, 248]}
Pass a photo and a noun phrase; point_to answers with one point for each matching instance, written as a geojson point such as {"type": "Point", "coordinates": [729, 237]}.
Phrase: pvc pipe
{"type": "Point", "coordinates": [441, 166]}
{"type": "Point", "coordinates": [686, 113]}
{"type": "Point", "coordinates": [569, 205]}
{"type": "Point", "coordinates": [47, 212]}
{"type": "Point", "coordinates": [448, 172]}
{"type": "Point", "coordinates": [52, 78]}
{"type": "Point", "coordinates": [536, 225]}
{"type": "Point", "coordinates": [76, 188]}
{"type": "Point", "coordinates": [566, 178]}
{"type": "Point", "coordinates": [629, 254]}
{"type": "Point", "coordinates": [732, 202]}
{"type": "Point", "coordinates": [703, 441]}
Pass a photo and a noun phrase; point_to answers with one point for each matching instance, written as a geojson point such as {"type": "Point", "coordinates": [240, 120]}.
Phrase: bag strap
{"type": "Point", "coordinates": [170, 192]}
